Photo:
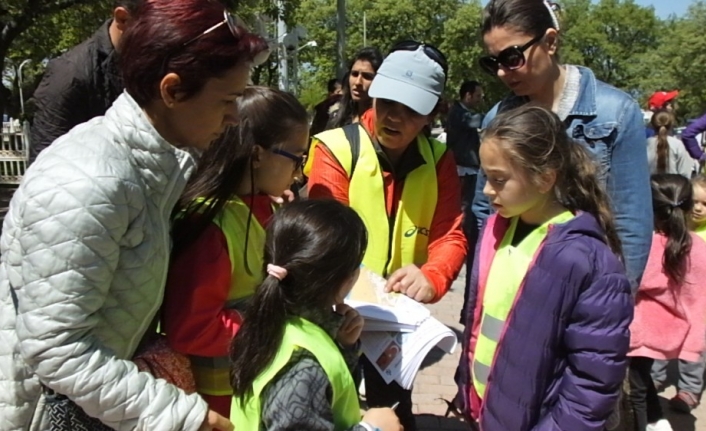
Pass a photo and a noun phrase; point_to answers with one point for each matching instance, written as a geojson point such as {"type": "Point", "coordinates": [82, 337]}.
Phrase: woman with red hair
{"type": "Point", "coordinates": [86, 241]}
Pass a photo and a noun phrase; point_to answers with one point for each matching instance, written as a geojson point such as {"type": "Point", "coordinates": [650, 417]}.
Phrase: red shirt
{"type": "Point", "coordinates": [447, 243]}
{"type": "Point", "coordinates": [197, 289]}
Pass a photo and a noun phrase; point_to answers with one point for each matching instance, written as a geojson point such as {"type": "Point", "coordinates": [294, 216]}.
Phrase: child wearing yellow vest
{"type": "Point", "coordinates": [549, 302]}
{"type": "Point", "coordinates": [293, 355]}
{"type": "Point", "coordinates": [698, 214]}
{"type": "Point", "coordinates": [220, 237]}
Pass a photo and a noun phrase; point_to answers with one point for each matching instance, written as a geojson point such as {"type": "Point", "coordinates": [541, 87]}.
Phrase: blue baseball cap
{"type": "Point", "coordinates": [410, 78]}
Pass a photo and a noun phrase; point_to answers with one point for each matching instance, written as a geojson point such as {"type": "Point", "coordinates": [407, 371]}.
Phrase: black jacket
{"type": "Point", "coordinates": [80, 84]}
{"type": "Point", "coordinates": [462, 135]}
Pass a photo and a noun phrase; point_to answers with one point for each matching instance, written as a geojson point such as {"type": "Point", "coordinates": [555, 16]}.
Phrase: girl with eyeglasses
{"type": "Point", "coordinates": [356, 101]}
{"type": "Point", "coordinates": [86, 242]}
{"type": "Point", "coordinates": [405, 187]}
{"type": "Point", "coordinates": [219, 234]}
{"type": "Point", "coordinates": [522, 39]}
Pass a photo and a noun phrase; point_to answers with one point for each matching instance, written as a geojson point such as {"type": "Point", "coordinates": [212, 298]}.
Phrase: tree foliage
{"type": "Point", "coordinates": [624, 43]}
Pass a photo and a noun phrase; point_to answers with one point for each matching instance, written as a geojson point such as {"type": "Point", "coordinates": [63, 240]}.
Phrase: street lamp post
{"type": "Point", "coordinates": [341, 37]}
{"type": "Point", "coordinates": [19, 82]}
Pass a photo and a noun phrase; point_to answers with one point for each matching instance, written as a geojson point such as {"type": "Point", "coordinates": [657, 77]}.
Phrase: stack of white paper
{"type": "Point", "coordinates": [399, 332]}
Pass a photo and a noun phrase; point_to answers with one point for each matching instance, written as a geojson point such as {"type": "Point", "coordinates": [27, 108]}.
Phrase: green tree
{"type": "Point", "coordinates": [18, 16]}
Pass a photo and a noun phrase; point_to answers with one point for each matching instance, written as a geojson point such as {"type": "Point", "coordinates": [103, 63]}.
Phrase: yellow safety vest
{"type": "Point", "coordinates": [302, 334]}
{"type": "Point", "coordinates": [212, 374]}
{"type": "Point", "coordinates": [392, 244]}
{"type": "Point", "coordinates": [501, 290]}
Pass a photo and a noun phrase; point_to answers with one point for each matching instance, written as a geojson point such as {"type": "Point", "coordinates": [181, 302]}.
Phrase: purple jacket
{"type": "Point", "coordinates": [562, 356]}
{"type": "Point", "coordinates": [688, 137]}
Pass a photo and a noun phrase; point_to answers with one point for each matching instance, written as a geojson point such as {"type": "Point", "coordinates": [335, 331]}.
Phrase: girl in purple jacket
{"type": "Point", "coordinates": [549, 306]}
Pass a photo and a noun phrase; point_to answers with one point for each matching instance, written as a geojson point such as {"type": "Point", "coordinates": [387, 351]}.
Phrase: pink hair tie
{"type": "Point", "coordinates": [276, 271]}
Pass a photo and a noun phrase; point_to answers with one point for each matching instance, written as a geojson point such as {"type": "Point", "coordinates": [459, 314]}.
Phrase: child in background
{"type": "Point", "coordinates": [670, 306]}
{"type": "Point", "coordinates": [545, 344]}
{"type": "Point", "coordinates": [691, 380]}
{"type": "Point", "coordinates": [698, 214]}
{"type": "Point", "coordinates": [293, 355]}
{"type": "Point", "coordinates": [219, 233]}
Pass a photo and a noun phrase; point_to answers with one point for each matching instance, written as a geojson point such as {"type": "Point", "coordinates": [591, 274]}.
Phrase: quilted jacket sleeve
{"type": "Point", "coordinates": [70, 238]}
{"type": "Point", "coordinates": [596, 343]}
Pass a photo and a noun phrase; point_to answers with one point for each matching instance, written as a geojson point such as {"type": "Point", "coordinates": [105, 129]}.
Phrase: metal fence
{"type": "Point", "coordinates": [14, 153]}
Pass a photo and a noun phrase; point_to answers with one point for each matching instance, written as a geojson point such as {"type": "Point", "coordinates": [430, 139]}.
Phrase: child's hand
{"type": "Point", "coordinates": [383, 419]}
{"type": "Point", "coordinates": [352, 326]}
{"type": "Point", "coordinates": [411, 281]}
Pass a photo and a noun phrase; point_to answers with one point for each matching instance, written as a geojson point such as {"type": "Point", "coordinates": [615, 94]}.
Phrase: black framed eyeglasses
{"type": "Point", "coordinates": [298, 160]}
{"type": "Point", "coordinates": [511, 58]}
{"type": "Point", "coordinates": [430, 50]}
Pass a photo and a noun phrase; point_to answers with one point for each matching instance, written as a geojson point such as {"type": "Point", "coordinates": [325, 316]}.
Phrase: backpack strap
{"type": "Point", "coordinates": [352, 132]}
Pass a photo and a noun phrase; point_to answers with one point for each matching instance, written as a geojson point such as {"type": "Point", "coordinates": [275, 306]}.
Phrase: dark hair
{"type": "Point", "coordinates": [267, 118]}
{"type": "Point", "coordinates": [662, 122]}
{"type": "Point", "coordinates": [332, 84]}
{"type": "Point", "coordinates": [154, 45]}
{"type": "Point", "coordinates": [349, 109]}
{"type": "Point", "coordinates": [672, 202]}
{"type": "Point", "coordinates": [130, 5]}
{"type": "Point", "coordinates": [531, 17]}
{"type": "Point", "coordinates": [535, 140]}
{"type": "Point", "coordinates": [468, 87]}
{"type": "Point", "coordinates": [321, 244]}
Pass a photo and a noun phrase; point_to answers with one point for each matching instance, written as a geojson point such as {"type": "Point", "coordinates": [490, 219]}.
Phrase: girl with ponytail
{"type": "Point", "coordinates": [545, 344]}
{"type": "Point", "coordinates": [665, 153]}
{"type": "Point", "coordinates": [670, 305]}
{"type": "Point", "coordinates": [219, 235]}
{"type": "Point", "coordinates": [291, 357]}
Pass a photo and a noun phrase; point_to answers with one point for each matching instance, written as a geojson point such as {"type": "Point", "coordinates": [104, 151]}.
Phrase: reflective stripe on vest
{"type": "Point", "coordinates": [499, 299]}
{"type": "Point", "coordinates": [300, 333]}
{"type": "Point", "coordinates": [212, 374]}
{"type": "Point", "coordinates": [408, 242]}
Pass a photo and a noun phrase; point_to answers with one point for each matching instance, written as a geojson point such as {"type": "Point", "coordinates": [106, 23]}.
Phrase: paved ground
{"type": "Point", "coordinates": [435, 381]}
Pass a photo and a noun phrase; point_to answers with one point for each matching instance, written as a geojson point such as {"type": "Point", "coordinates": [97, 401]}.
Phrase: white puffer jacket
{"type": "Point", "coordinates": [85, 249]}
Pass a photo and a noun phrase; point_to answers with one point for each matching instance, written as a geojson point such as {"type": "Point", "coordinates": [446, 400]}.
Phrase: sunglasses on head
{"type": "Point", "coordinates": [429, 50]}
{"type": "Point", "coordinates": [233, 21]}
{"type": "Point", "coordinates": [511, 58]}
{"type": "Point", "coordinates": [366, 75]}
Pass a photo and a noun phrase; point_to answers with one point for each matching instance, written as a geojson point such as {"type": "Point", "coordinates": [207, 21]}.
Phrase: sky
{"type": "Point", "coordinates": [664, 8]}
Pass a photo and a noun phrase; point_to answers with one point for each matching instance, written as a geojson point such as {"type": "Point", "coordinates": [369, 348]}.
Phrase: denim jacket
{"type": "Point", "coordinates": [609, 124]}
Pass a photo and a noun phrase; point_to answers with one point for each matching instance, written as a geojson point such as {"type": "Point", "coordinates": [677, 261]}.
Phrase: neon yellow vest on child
{"type": "Point", "coordinates": [502, 287]}
{"type": "Point", "coordinates": [212, 374]}
{"type": "Point", "coordinates": [302, 334]}
{"type": "Point", "coordinates": [390, 246]}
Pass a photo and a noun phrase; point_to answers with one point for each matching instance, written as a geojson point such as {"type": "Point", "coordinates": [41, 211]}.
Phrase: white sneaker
{"type": "Point", "coordinates": [660, 425]}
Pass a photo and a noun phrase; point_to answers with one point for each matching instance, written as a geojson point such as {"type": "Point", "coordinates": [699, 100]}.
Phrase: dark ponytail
{"type": "Point", "coordinates": [672, 202]}
{"type": "Point", "coordinates": [662, 122]}
{"type": "Point", "coordinates": [321, 244]}
{"type": "Point", "coordinates": [535, 139]}
{"type": "Point", "coordinates": [578, 189]}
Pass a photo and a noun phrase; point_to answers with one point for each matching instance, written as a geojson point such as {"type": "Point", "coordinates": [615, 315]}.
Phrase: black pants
{"type": "Point", "coordinates": [643, 395]}
{"type": "Point", "coordinates": [470, 229]}
{"type": "Point", "coordinates": [380, 394]}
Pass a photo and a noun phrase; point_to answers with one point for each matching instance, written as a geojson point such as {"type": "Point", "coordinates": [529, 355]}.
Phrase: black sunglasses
{"type": "Point", "coordinates": [298, 160]}
{"type": "Point", "coordinates": [430, 51]}
{"type": "Point", "coordinates": [511, 58]}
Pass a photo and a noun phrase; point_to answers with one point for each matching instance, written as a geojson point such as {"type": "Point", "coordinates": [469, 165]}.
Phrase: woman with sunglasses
{"type": "Point", "coordinates": [522, 39]}
{"type": "Point", "coordinates": [356, 101]}
{"type": "Point", "coordinates": [86, 241]}
{"type": "Point", "coordinates": [404, 186]}
{"type": "Point", "coordinates": [219, 236]}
